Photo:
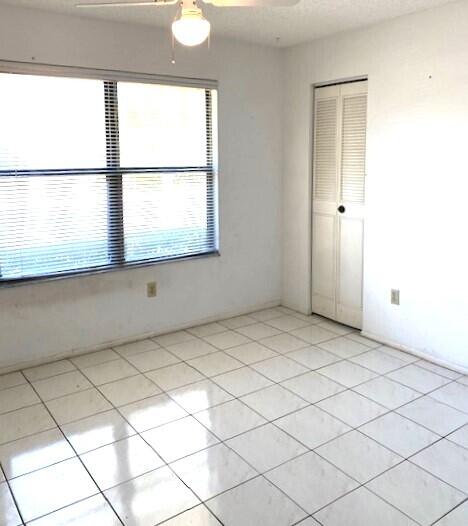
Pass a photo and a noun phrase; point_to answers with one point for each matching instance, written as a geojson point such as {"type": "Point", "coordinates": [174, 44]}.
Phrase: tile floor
{"type": "Point", "coordinates": [272, 418]}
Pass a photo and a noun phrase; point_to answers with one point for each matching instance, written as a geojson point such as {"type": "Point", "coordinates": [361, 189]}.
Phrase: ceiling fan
{"type": "Point", "coordinates": [190, 27]}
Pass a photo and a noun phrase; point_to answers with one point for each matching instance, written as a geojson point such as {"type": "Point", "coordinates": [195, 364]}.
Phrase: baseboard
{"type": "Point", "coordinates": [135, 337]}
{"type": "Point", "coordinates": [420, 354]}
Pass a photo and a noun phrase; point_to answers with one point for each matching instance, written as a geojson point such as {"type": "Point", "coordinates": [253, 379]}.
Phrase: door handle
{"type": "Point", "coordinates": [341, 209]}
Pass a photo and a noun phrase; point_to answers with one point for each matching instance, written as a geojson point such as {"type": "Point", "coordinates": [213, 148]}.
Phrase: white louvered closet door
{"type": "Point", "coordinates": [340, 120]}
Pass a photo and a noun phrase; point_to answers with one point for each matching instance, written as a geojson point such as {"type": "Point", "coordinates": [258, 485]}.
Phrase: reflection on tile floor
{"type": "Point", "coordinates": [271, 418]}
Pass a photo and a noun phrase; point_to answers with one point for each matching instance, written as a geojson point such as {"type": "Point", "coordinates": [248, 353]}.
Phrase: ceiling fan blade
{"type": "Point", "coordinates": [127, 4]}
{"type": "Point", "coordinates": [252, 3]}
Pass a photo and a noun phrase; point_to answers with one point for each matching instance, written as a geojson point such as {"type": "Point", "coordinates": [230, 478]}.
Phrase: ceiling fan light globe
{"type": "Point", "coordinates": [191, 29]}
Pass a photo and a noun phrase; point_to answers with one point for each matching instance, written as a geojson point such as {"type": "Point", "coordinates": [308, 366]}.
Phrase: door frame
{"type": "Point", "coordinates": [313, 87]}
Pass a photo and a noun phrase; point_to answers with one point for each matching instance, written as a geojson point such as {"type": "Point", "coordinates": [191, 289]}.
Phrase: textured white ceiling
{"type": "Point", "coordinates": [308, 20]}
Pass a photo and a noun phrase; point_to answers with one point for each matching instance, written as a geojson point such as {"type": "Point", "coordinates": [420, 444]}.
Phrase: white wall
{"type": "Point", "coordinates": [44, 320]}
{"type": "Point", "coordinates": [417, 185]}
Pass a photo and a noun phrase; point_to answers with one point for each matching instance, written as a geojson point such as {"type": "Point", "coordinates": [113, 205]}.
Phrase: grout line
{"type": "Point", "coordinates": [450, 511]}
{"type": "Point", "coordinates": [82, 464]}
{"type": "Point", "coordinates": [15, 502]}
{"type": "Point", "coordinates": [238, 398]}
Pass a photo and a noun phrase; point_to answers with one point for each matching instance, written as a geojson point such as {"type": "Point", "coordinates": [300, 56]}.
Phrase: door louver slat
{"type": "Point", "coordinates": [325, 150]}
{"type": "Point", "coordinates": [353, 156]}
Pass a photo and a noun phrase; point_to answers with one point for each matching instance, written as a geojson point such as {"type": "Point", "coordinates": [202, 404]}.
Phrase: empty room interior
{"type": "Point", "coordinates": [233, 263]}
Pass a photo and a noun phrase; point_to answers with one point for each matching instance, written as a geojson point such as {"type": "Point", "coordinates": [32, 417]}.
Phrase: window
{"type": "Point", "coordinates": [98, 174]}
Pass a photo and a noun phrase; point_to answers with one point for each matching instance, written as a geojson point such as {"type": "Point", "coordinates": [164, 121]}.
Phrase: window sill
{"type": "Point", "coordinates": [92, 272]}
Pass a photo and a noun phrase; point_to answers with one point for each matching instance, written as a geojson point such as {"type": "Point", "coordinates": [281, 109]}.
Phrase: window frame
{"type": "Point", "coordinates": [114, 172]}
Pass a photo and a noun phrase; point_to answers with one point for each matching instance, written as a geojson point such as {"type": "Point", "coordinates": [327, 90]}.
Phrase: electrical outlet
{"type": "Point", "coordinates": [151, 289]}
{"type": "Point", "coordinates": [395, 297]}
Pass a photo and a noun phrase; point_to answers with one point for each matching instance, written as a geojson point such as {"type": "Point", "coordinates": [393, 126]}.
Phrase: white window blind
{"type": "Point", "coordinates": [96, 174]}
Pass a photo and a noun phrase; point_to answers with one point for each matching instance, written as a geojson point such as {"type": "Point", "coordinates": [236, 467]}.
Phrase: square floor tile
{"type": "Point", "coordinates": [242, 381]}
{"type": "Point", "coordinates": [399, 434]}
{"type": "Point", "coordinates": [406, 357]}
{"type": "Point", "coordinates": [313, 387]}
{"type": "Point", "coordinates": [386, 392]}
{"type": "Point", "coordinates": [258, 331]}
{"type": "Point", "coordinates": [179, 439]}
{"type": "Point", "coordinates": [287, 323]}
{"type": "Point", "coordinates": [355, 336]}
{"type": "Point", "coordinates": [454, 394]}
{"type": "Point", "coordinates": [226, 340]}
{"type": "Point", "coordinates": [283, 343]}
{"type": "Point", "coordinates": [358, 456]}
{"type": "Point", "coordinates": [52, 488]}
{"type": "Point", "coordinates": [337, 328]}
{"type": "Point", "coordinates": [266, 447]}
{"type": "Point", "coordinates": [311, 481]}
{"type": "Point", "coordinates": [191, 349]}
{"type": "Point", "coordinates": [313, 357]}
{"type": "Point", "coordinates": [97, 430]}
{"type": "Point", "coordinates": [77, 405]}
{"type": "Point", "coordinates": [378, 361]}
{"type": "Point", "coordinates": [463, 380]}
{"type": "Point", "coordinates": [238, 321]}
{"type": "Point", "coordinates": [253, 503]}
{"type": "Point", "coordinates": [129, 390]}
{"type": "Point", "coordinates": [437, 417]}
{"type": "Point", "coordinates": [9, 515]}
{"type": "Point", "coordinates": [48, 370]}
{"type": "Point", "coordinates": [129, 349]}
{"type": "Point", "coordinates": [24, 422]}
{"type": "Point", "coordinates": [362, 508]}
{"type": "Point", "coordinates": [273, 402]}
{"type": "Point", "coordinates": [34, 452]}
{"type": "Point", "coordinates": [279, 368]}
{"type": "Point", "coordinates": [251, 352]}
{"type": "Point", "coordinates": [149, 360]}
{"type": "Point", "coordinates": [215, 363]}
{"type": "Point", "coordinates": [11, 380]}
{"type": "Point", "coordinates": [447, 461]}
{"type": "Point", "coordinates": [89, 512]}
{"type": "Point", "coordinates": [345, 347]}
{"type": "Point", "coordinates": [415, 492]}
{"type": "Point", "coordinates": [438, 369]}
{"type": "Point", "coordinates": [310, 521]}
{"type": "Point", "coordinates": [206, 330]}
{"type": "Point", "coordinates": [61, 385]}
{"type": "Point", "coordinates": [121, 461]}
{"type": "Point", "coordinates": [213, 470]}
{"type": "Point", "coordinates": [173, 338]}
{"type": "Point", "coordinates": [457, 517]}
{"type": "Point", "coordinates": [418, 378]}
{"type": "Point", "coordinates": [267, 314]}
{"type": "Point", "coordinates": [229, 419]}
{"type": "Point", "coordinates": [17, 398]}
{"type": "Point", "coordinates": [95, 358]}
{"type": "Point", "coordinates": [347, 373]}
{"type": "Point", "coordinates": [152, 412]}
{"type": "Point", "coordinates": [352, 408]}
{"type": "Point", "coordinates": [109, 371]}
{"type": "Point", "coordinates": [314, 334]}
{"type": "Point", "coordinates": [174, 376]}
{"type": "Point", "coordinates": [200, 395]}
{"type": "Point", "coordinates": [312, 426]}
{"type": "Point", "coordinates": [198, 516]}
{"type": "Point", "coordinates": [136, 499]}
{"type": "Point", "coordinates": [460, 436]}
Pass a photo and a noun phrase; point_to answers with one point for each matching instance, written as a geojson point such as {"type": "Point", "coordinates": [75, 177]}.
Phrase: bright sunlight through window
{"type": "Point", "coordinates": [98, 174]}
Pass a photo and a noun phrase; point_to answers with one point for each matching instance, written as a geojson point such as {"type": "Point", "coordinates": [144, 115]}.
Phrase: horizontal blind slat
{"type": "Point", "coordinates": [60, 217]}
